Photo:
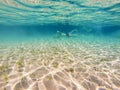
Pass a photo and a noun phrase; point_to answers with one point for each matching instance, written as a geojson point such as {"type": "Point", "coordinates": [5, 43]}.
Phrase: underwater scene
{"type": "Point", "coordinates": [59, 44]}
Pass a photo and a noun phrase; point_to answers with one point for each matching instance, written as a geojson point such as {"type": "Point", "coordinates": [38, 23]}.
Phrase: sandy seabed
{"type": "Point", "coordinates": [60, 65]}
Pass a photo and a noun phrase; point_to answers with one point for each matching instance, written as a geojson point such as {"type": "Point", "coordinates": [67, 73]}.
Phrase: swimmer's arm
{"type": "Point", "coordinates": [63, 34]}
{"type": "Point", "coordinates": [73, 31]}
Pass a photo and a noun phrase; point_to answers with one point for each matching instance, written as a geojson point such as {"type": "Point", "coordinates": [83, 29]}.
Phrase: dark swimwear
{"type": "Point", "coordinates": [67, 34]}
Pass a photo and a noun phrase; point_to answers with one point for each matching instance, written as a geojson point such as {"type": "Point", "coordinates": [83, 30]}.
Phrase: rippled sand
{"type": "Point", "coordinates": [58, 65]}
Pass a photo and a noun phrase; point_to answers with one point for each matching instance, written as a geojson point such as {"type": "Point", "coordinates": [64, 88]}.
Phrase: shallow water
{"type": "Point", "coordinates": [59, 45]}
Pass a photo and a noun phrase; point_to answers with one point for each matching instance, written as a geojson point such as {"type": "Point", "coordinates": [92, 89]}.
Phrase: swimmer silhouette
{"type": "Point", "coordinates": [67, 34]}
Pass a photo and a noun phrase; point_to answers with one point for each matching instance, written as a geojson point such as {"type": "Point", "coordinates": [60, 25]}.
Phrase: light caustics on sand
{"type": "Point", "coordinates": [60, 66]}
{"type": "Point", "coordinates": [80, 63]}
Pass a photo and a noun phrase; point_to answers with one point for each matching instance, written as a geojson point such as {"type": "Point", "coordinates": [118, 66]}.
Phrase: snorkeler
{"type": "Point", "coordinates": [67, 34]}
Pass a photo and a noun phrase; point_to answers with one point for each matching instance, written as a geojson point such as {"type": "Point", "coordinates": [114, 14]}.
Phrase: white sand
{"type": "Point", "coordinates": [60, 65]}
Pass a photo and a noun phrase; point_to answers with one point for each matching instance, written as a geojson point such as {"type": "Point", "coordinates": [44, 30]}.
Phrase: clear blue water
{"type": "Point", "coordinates": [22, 20]}
{"type": "Point", "coordinates": [38, 50]}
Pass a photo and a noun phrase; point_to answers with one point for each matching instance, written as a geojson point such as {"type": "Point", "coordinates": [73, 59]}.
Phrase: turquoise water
{"type": "Point", "coordinates": [23, 20]}
{"type": "Point", "coordinates": [32, 32]}
{"type": "Point", "coordinates": [59, 44]}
